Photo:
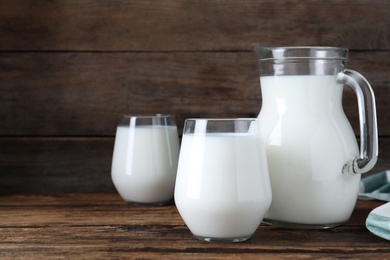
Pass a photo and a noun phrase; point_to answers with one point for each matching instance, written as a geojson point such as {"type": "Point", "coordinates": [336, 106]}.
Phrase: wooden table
{"type": "Point", "coordinates": [102, 226]}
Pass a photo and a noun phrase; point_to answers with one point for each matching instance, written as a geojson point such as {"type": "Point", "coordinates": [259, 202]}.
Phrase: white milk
{"type": "Point", "coordinates": [145, 162]}
{"type": "Point", "coordinates": [222, 186]}
{"type": "Point", "coordinates": [308, 140]}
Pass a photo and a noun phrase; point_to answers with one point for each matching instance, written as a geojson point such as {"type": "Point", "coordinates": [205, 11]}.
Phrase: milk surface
{"type": "Point", "coordinates": [308, 140]}
{"type": "Point", "coordinates": [222, 186]}
{"type": "Point", "coordinates": [145, 162]}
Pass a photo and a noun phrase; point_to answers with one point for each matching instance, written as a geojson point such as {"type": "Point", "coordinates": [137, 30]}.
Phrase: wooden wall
{"type": "Point", "coordinates": [68, 69]}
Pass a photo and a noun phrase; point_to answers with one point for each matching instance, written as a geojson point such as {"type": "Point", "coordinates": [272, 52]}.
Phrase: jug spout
{"type": "Point", "coordinates": [257, 49]}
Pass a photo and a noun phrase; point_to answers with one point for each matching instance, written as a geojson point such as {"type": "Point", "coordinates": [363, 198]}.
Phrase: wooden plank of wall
{"type": "Point", "coordinates": [55, 164]}
{"type": "Point", "coordinates": [191, 25]}
{"type": "Point", "coordinates": [73, 164]}
{"type": "Point", "coordinates": [68, 69]}
{"type": "Point", "coordinates": [82, 94]}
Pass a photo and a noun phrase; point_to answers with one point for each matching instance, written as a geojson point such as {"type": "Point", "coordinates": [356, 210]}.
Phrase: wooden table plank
{"type": "Point", "coordinates": [101, 225]}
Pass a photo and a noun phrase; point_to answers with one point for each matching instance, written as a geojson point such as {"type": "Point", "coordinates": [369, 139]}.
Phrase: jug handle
{"type": "Point", "coordinates": [368, 122]}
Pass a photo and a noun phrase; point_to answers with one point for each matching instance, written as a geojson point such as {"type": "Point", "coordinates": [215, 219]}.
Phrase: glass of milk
{"type": "Point", "coordinates": [222, 187]}
{"type": "Point", "coordinates": [145, 159]}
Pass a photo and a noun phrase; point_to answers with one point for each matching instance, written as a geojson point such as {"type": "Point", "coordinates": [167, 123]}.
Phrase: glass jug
{"type": "Point", "coordinates": [314, 160]}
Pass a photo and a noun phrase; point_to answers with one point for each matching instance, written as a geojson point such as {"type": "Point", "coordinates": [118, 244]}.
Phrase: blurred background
{"type": "Point", "coordinates": [69, 69]}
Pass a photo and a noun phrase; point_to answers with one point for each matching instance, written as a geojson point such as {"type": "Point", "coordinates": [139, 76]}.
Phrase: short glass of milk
{"type": "Point", "coordinates": [222, 187]}
{"type": "Point", "coordinates": [145, 157]}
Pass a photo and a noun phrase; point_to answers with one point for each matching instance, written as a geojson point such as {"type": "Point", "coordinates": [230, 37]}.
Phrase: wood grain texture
{"type": "Point", "coordinates": [176, 25]}
{"type": "Point", "coordinates": [69, 69]}
{"type": "Point", "coordinates": [101, 226]}
{"type": "Point", "coordinates": [83, 94]}
{"type": "Point", "coordinates": [33, 165]}
{"type": "Point", "coordinates": [47, 165]}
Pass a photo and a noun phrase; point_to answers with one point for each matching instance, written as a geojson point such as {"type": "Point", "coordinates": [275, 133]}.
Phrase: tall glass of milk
{"type": "Point", "coordinates": [145, 158]}
{"type": "Point", "coordinates": [314, 160]}
{"type": "Point", "coordinates": [222, 187]}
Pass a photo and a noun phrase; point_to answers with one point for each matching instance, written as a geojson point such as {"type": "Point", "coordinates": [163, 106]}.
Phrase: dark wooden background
{"type": "Point", "coordinates": [68, 69]}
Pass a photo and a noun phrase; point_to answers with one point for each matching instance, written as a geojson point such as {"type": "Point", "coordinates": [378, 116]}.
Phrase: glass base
{"type": "Point", "coordinates": [224, 239]}
{"type": "Point", "coordinates": [291, 225]}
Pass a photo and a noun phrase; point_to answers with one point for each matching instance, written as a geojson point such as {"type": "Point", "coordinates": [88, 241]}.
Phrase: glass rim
{"type": "Point", "coordinates": [146, 116]}
{"type": "Point", "coordinates": [322, 47]}
{"type": "Point", "coordinates": [302, 53]}
{"type": "Point", "coordinates": [224, 119]}
{"type": "Point", "coordinates": [203, 126]}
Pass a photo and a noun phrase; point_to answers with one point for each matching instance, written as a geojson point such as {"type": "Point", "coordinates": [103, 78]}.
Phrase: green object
{"type": "Point", "coordinates": [375, 187]}
{"type": "Point", "coordinates": [378, 221]}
